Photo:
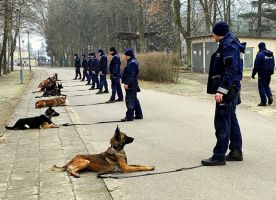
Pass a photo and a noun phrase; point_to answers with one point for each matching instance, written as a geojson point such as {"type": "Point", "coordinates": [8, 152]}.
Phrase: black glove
{"type": "Point", "coordinates": [252, 76]}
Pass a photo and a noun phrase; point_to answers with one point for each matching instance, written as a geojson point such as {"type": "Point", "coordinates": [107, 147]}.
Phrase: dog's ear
{"type": "Point", "coordinates": [117, 133]}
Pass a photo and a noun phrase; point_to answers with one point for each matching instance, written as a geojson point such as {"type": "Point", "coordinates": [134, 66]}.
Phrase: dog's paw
{"type": "Point", "coordinates": [151, 168]}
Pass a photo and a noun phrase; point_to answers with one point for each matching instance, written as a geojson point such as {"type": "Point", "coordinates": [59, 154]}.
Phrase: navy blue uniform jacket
{"type": "Point", "coordinates": [130, 74]}
{"type": "Point", "coordinates": [103, 64]}
{"type": "Point", "coordinates": [226, 65]}
{"type": "Point", "coordinates": [114, 66]}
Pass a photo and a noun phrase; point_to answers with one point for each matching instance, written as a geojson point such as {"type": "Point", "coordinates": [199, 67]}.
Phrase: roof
{"type": "Point", "coordinates": [129, 35]}
{"type": "Point", "coordinates": [239, 36]}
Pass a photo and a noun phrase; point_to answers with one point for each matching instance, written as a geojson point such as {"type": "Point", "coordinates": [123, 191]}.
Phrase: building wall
{"type": "Point", "coordinates": [209, 47]}
{"type": "Point", "coordinates": [253, 42]}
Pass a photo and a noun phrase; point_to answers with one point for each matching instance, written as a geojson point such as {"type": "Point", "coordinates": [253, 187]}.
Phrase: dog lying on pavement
{"type": "Point", "coordinates": [53, 92]}
{"type": "Point", "coordinates": [114, 159]}
{"type": "Point", "coordinates": [42, 121]}
{"type": "Point", "coordinates": [58, 101]}
{"type": "Point", "coordinates": [47, 84]}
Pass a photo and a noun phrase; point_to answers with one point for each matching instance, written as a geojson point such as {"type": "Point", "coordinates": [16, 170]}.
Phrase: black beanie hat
{"type": "Point", "coordinates": [130, 53]}
{"type": "Point", "coordinates": [221, 28]}
{"type": "Point", "coordinates": [261, 45]}
{"type": "Point", "coordinates": [112, 49]}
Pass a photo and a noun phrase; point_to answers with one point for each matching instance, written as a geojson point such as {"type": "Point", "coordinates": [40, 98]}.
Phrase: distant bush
{"type": "Point", "coordinates": [156, 66]}
{"type": "Point", "coordinates": [159, 67]}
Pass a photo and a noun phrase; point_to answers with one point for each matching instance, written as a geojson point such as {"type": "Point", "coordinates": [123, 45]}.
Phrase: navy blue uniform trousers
{"type": "Point", "coordinates": [85, 74]}
{"type": "Point", "coordinates": [116, 88]}
{"type": "Point", "coordinates": [227, 128]}
{"type": "Point", "coordinates": [95, 80]}
{"type": "Point", "coordinates": [133, 104]}
{"type": "Point", "coordinates": [264, 89]}
{"type": "Point", "coordinates": [103, 82]}
{"type": "Point", "coordinates": [78, 72]}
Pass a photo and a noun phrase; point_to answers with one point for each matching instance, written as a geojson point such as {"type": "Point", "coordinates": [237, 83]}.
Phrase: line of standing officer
{"type": "Point", "coordinates": [130, 81]}
{"type": "Point", "coordinates": [94, 72]}
{"type": "Point", "coordinates": [224, 79]}
{"type": "Point", "coordinates": [77, 66]}
{"type": "Point", "coordinates": [84, 66]}
{"type": "Point", "coordinates": [264, 65]}
{"type": "Point", "coordinates": [103, 72]}
{"type": "Point", "coordinates": [115, 76]}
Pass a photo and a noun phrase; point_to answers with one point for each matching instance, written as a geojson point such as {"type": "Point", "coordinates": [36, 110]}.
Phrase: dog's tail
{"type": "Point", "coordinates": [59, 169]}
{"type": "Point", "coordinates": [10, 127]}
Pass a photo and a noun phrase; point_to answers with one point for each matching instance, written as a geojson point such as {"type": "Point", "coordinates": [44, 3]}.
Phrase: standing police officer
{"type": "Point", "coordinates": [115, 76]}
{"type": "Point", "coordinates": [89, 67]}
{"type": "Point", "coordinates": [84, 66]}
{"type": "Point", "coordinates": [224, 79]}
{"type": "Point", "coordinates": [103, 72]}
{"type": "Point", "coordinates": [264, 65]}
{"type": "Point", "coordinates": [130, 81]}
{"type": "Point", "coordinates": [77, 66]}
{"type": "Point", "coordinates": [95, 71]}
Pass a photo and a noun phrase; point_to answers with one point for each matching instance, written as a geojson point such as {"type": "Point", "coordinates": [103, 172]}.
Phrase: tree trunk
{"type": "Point", "coordinates": [185, 34]}
{"type": "Point", "coordinates": [141, 26]}
{"type": "Point", "coordinates": [259, 26]}
{"type": "Point", "coordinates": [5, 38]}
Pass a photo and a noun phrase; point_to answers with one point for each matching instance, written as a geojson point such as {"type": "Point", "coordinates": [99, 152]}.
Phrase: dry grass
{"type": "Point", "coordinates": [10, 93]}
{"type": "Point", "coordinates": [159, 67]}
{"type": "Point", "coordinates": [156, 66]}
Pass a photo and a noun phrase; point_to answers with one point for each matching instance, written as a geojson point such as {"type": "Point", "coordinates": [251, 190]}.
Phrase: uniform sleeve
{"type": "Point", "coordinates": [116, 67]}
{"type": "Point", "coordinates": [103, 64]}
{"type": "Point", "coordinates": [231, 62]}
{"type": "Point", "coordinates": [257, 64]}
{"type": "Point", "coordinates": [130, 76]}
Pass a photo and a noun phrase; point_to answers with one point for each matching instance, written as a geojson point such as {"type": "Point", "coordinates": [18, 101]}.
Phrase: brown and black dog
{"type": "Point", "coordinates": [58, 101]}
{"type": "Point", "coordinates": [112, 160]}
{"type": "Point", "coordinates": [47, 84]}
{"type": "Point", "coordinates": [42, 121]}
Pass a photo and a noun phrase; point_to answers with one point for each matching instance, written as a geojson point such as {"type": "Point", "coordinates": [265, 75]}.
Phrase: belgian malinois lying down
{"type": "Point", "coordinates": [112, 160]}
{"type": "Point", "coordinates": [42, 121]}
{"type": "Point", "coordinates": [58, 101]}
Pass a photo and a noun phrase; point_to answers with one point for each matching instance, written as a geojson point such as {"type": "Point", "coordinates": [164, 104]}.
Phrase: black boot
{"type": "Point", "coordinates": [93, 87]}
{"type": "Point", "coordinates": [106, 91]}
{"type": "Point", "coordinates": [100, 92]}
{"type": "Point", "coordinates": [213, 162]}
{"type": "Point", "coordinates": [270, 100]}
{"type": "Point", "coordinates": [234, 156]}
{"type": "Point", "coordinates": [110, 101]}
{"type": "Point", "coordinates": [126, 120]}
{"type": "Point", "coordinates": [262, 104]}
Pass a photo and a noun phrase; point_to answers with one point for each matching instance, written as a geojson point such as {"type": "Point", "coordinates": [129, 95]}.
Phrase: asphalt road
{"type": "Point", "coordinates": [177, 131]}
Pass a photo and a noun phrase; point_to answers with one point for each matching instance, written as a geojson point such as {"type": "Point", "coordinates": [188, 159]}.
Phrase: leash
{"type": "Point", "coordinates": [105, 175]}
{"type": "Point", "coordinates": [74, 85]}
{"type": "Point", "coordinates": [103, 122]}
{"type": "Point", "coordinates": [94, 104]}
{"type": "Point", "coordinates": [74, 90]}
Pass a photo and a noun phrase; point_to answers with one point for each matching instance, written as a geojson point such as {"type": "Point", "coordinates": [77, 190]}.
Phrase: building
{"type": "Point", "coordinates": [24, 57]}
{"type": "Point", "coordinates": [204, 46]}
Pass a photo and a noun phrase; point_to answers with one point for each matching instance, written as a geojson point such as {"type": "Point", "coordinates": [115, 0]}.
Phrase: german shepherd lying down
{"type": "Point", "coordinates": [114, 159]}
{"type": "Point", "coordinates": [49, 83]}
{"type": "Point", "coordinates": [42, 121]}
{"type": "Point", "coordinates": [53, 92]}
{"type": "Point", "coordinates": [59, 101]}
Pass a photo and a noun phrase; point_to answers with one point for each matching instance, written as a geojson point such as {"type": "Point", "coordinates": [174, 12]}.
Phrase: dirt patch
{"type": "Point", "coordinates": [11, 92]}
{"type": "Point", "coordinates": [194, 84]}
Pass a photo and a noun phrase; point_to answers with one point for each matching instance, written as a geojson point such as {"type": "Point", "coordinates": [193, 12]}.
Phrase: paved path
{"type": "Point", "coordinates": [27, 156]}
{"type": "Point", "coordinates": [177, 132]}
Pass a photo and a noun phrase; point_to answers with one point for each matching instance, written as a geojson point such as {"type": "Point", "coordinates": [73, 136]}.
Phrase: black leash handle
{"type": "Point", "coordinates": [105, 175]}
